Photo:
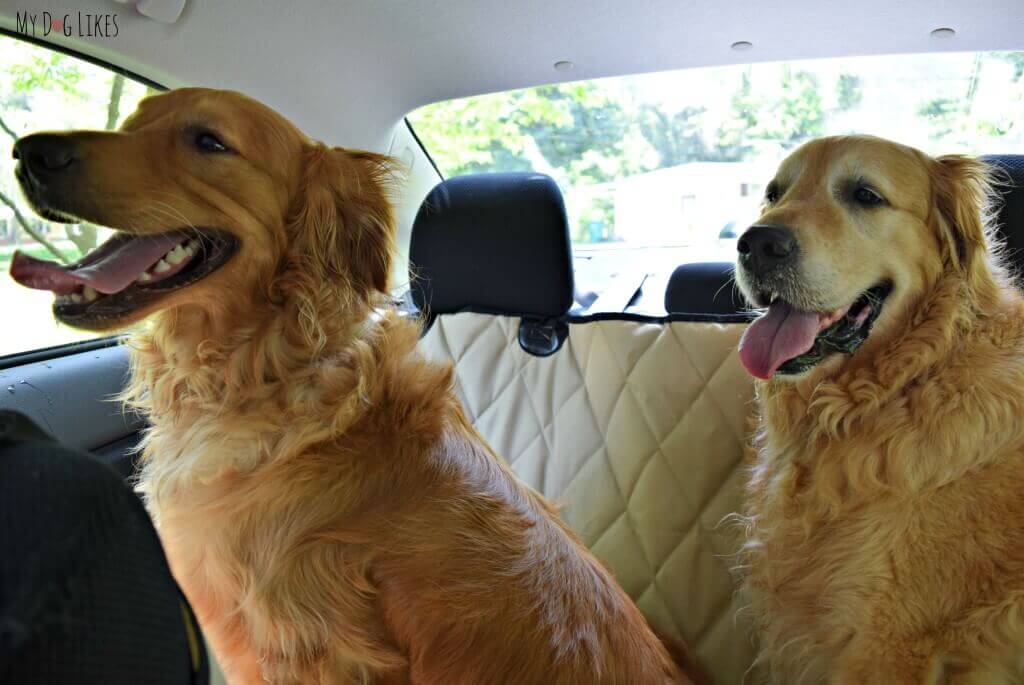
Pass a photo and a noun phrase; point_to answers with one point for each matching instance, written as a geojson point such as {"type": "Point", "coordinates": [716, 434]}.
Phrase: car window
{"type": "Point", "coordinates": [42, 89]}
{"type": "Point", "coordinates": [665, 168]}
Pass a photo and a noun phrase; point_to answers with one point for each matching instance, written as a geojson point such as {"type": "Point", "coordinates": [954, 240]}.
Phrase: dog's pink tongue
{"type": "Point", "coordinates": [776, 337]}
{"type": "Point", "coordinates": [109, 269]}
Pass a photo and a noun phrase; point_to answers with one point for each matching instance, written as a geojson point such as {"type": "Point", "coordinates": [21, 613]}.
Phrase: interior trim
{"type": "Point", "coordinates": [73, 397]}
{"type": "Point", "coordinates": [695, 317]}
{"type": "Point", "coordinates": [43, 354]}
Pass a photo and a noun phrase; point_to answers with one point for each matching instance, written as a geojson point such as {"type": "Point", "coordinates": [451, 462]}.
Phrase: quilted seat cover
{"type": "Point", "coordinates": [637, 430]}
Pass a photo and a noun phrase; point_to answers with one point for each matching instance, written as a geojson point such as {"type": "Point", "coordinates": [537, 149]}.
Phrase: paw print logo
{"type": "Point", "coordinates": [58, 25]}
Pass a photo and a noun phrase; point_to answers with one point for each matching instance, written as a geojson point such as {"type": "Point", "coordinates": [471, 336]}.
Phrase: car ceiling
{"type": "Point", "coordinates": [346, 71]}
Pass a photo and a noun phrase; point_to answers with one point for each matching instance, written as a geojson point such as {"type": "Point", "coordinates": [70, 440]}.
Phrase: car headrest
{"type": "Point", "coordinates": [1010, 218]}
{"type": "Point", "coordinates": [493, 243]}
{"type": "Point", "coordinates": [703, 288]}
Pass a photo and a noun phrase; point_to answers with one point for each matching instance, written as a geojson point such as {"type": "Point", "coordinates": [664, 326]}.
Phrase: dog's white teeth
{"type": "Point", "coordinates": [63, 299]}
{"type": "Point", "coordinates": [161, 267]}
{"type": "Point", "coordinates": [76, 298]}
{"type": "Point", "coordinates": [88, 294]}
{"type": "Point", "coordinates": [144, 277]}
{"type": "Point", "coordinates": [180, 253]}
{"type": "Point", "coordinates": [176, 256]}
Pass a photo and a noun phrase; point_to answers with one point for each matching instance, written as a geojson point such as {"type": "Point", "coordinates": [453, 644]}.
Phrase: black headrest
{"type": "Point", "coordinates": [1010, 220]}
{"type": "Point", "coordinates": [703, 288]}
{"type": "Point", "coordinates": [495, 243]}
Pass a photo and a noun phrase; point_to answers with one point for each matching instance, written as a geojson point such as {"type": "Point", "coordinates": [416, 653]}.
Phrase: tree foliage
{"type": "Point", "coordinates": [734, 134]}
{"type": "Point", "coordinates": [549, 128]}
{"type": "Point", "coordinates": [677, 137]}
{"type": "Point", "coordinates": [47, 70]}
{"type": "Point", "coordinates": [848, 91]}
{"type": "Point", "coordinates": [797, 115]}
{"type": "Point", "coordinates": [592, 133]}
{"type": "Point", "coordinates": [580, 131]}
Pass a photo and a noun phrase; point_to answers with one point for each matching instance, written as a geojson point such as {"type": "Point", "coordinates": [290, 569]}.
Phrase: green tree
{"type": "Point", "coordinates": [46, 70]}
{"type": "Point", "coordinates": [469, 134]}
{"type": "Point", "coordinates": [794, 116]}
{"type": "Point", "coordinates": [848, 91]}
{"type": "Point", "coordinates": [575, 132]}
{"type": "Point", "coordinates": [585, 136]}
{"type": "Point", "coordinates": [798, 115]}
{"type": "Point", "coordinates": [551, 126]}
{"type": "Point", "coordinates": [678, 138]}
{"type": "Point", "coordinates": [732, 144]}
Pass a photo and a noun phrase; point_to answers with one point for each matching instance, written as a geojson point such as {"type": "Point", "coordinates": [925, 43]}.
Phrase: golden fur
{"type": "Point", "coordinates": [885, 506]}
{"type": "Point", "coordinates": [323, 501]}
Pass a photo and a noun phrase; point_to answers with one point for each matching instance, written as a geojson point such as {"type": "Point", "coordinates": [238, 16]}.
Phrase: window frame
{"type": "Point", "coordinates": [39, 354]}
{"type": "Point", "coordinates": [43, 354]}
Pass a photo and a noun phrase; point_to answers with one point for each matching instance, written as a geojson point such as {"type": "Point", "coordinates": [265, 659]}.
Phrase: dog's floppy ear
{"type": "Point", "coordinates": [962, 190]}
{"type": "Point", "coordinates": [341, 230]}
{"type": "Point", "coordinates": [342, 225]}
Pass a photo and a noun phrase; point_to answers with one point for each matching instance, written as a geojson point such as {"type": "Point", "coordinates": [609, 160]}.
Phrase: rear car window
{"type": "Point", "coordinates": [661, 169]}
{"type": "Point", "coordinates": [42, 89]}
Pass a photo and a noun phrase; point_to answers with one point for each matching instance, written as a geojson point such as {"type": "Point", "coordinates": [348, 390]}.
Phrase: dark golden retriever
{"type": "Point", "coordinates": [886, 501]}
{"type": "Point", "coordinates": [323, 501]}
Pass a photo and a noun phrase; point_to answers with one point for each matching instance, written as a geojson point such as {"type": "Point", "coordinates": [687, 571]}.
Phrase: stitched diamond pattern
{"type": "Point", "coordinates": [637, 430]}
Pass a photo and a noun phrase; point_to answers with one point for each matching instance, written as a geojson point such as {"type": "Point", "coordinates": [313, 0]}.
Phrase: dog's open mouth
{"type": "Point", "coordinates": [125, 273]}
{"type": "Point", "coordinates": [786, 340]}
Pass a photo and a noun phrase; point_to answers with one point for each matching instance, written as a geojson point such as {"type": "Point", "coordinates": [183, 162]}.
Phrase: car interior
{"type": "Point", "coordinates": [605, 372]}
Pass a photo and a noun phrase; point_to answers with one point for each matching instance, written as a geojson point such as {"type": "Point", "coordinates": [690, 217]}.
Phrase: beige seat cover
{"type": "Point", "coordinates": [636, 428]}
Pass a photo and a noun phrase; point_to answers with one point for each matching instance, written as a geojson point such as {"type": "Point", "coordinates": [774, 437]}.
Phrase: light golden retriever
{"type": "Point", "coordinates": [885, 507]}
{"type": "Point", "coordinates": [324, 502]}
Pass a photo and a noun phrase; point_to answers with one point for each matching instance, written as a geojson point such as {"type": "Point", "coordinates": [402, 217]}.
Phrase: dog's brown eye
{"type": "Point", "coordinates": [867, 197]}
{"type": "Point", "coordinates": [207, 142]}
{"type": "Point", "coordinates": [771, 194]}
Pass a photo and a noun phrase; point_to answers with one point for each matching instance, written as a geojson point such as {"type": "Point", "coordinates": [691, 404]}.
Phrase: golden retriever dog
{"type": "Point", "coordinates": [885, 506]}
{"type": "Point", "coordinates": [324, 503]}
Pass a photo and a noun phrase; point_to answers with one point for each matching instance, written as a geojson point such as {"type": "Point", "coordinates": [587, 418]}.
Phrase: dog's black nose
{"type": "Point", "coordinates": [45, 154]}
{"type": "Point", "coordinates": [764, 249]}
